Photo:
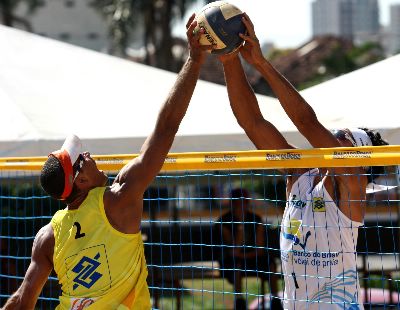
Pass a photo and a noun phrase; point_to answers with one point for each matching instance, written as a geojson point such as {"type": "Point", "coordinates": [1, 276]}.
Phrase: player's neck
{"type": "Point", "coordinates": [79, 199]}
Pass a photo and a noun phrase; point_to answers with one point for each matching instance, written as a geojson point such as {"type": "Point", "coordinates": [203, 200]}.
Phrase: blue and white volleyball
{"type": "Point", "coordinates": [222, 23]}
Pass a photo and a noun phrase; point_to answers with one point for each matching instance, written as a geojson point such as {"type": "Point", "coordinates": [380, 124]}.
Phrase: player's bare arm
{"type": "Point", "coordinates": [38, 271]}
{"type": "Point", "coordinates": [126, 194]}
{"type": "Point", "coordinates": [245, 107]}
{"type": "Point", "coordinates": [298, 110]}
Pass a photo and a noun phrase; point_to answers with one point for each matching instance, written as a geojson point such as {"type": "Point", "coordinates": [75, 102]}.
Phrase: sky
{"type": "Point", "coordinates": [273, 19]}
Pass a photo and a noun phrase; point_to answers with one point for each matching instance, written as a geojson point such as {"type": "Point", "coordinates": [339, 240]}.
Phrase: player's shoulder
{"type": "Point", "coordinates": [352, 179]}
{"type": "Point", "coordinates": [293, 175]}
{"type": "Point", "coordinates": [45, 233]}
{"type": "Point", "coordinates": [44, 241]}
{"type": "Point", "coordinates": [111, 193]}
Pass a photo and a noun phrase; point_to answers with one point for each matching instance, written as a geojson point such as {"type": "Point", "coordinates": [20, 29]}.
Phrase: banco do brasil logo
{"type": "Point", "coordinates": [86, 271]}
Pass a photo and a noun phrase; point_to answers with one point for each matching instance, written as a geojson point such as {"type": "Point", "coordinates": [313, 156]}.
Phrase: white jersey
{"type": "Point", "coordinates": [318, 250]}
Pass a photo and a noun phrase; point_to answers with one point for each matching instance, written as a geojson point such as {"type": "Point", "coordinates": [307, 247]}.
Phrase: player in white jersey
{"type": "Point", "coordinates": [324, 206]}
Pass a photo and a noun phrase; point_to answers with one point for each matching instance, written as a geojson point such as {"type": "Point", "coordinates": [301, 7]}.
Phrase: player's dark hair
{"type": "Point", "coordinates": [52, 177]}
{"type": "Point", "coordinates": [374, 172]}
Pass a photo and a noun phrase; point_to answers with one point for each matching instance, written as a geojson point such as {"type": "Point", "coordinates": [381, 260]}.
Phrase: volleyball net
{"type": "Point", "coordinates": [212, 220]}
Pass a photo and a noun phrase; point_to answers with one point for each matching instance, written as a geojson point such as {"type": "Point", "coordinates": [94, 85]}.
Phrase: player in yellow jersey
{"type": "Point", "coordinates": [95, 245]}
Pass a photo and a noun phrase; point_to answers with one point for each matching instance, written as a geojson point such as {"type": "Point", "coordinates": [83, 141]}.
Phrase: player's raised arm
{"type": "Point", "coordinates": [245, 107]}
{"type": "Point", "coordinates": [139, 173]}
{"type": "Point", "coordinates": [299, 111]}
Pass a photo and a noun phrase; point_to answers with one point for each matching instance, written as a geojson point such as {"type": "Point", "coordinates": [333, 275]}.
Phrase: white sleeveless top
{"type": "Point", "coordinates": [318, 250]}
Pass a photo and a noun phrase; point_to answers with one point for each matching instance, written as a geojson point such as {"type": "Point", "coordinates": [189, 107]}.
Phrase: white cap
{"type": "Point", "coordinates": [73, 145]}
{"type": "Point", "coordinates": [67, 156]}
{"type": "Point", "coordinates": [361, 138]}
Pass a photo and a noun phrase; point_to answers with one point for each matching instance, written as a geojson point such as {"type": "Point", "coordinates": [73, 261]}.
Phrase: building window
{"type": "Point", "coordinates": [69, 3]}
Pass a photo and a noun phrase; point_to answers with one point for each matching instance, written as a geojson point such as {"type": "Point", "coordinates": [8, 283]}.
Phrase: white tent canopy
{"type": "Point", "coordinates": [49, 89]}
{"type": "Point", "coordinates": [368, 97]}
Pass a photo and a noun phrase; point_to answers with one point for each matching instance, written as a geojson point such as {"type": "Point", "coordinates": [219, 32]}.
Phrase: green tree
{"type": "Point", "coordinates": [340, 62]}
{"type": "Point", "coordinates": [154, 16]}
{"type": "Point", "coordinates": [7, 12]}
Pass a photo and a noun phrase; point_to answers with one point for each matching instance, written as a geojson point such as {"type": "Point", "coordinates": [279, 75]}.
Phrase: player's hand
{"type": "Point", "coordinates": [251, 50]}
{"type": "Point", "coordinates": [197, 52]}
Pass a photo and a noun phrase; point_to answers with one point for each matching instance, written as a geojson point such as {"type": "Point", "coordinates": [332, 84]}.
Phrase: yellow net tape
{"type": "Point", "coordinates": [294, 158]}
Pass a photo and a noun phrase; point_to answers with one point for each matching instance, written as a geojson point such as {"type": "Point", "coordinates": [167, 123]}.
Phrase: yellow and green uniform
{"type": "Point", "coordinates": [97, 266]}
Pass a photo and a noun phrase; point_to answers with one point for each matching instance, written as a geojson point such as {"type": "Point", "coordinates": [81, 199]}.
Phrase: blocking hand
{"type": "Point", "coordinates": [251, 50]}
{"type": "Point", "coordinates": [197, 52]}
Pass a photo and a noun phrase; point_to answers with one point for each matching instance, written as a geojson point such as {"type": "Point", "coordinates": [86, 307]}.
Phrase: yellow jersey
{"type": "Point", "coordinates": [97, 266]}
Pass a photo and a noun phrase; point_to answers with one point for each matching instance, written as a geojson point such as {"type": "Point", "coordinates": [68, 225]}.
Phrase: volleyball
{"type": "Point", "coordinates": [222, 23]}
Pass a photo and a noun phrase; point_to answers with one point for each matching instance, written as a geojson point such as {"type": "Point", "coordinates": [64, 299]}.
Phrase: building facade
{"type": "Point", "coordinates": [332, 17]}
{"type": "Point", "coordinates": [356, 20]}
{"type": "Point", "coordinates": [393, 34]}
{"type": "Point", "coordinates": [72, 21]}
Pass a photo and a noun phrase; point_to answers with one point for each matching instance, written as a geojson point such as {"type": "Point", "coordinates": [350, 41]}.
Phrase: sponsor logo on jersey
{"type": "Point", "coordinates": [296, 203]}
{"type": "Point", "coordinates": [291, 231]}
{"type": "Point", "coordinates": [318, 204]}
{"type": "Point", "coordinates": [88, 269]}
{"type": "Point", "coordinates": [86, 272]}
{"type": "Point", "coordinates": [81, 303]}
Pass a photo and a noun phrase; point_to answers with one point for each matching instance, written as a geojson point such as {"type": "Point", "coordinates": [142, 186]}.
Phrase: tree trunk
{"type": "Point", "coordinates": [149, 31]}
{"type": "Point", "coordinates": [6, 12]}
{"type": "Point", "coordinates": [164, 46]}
